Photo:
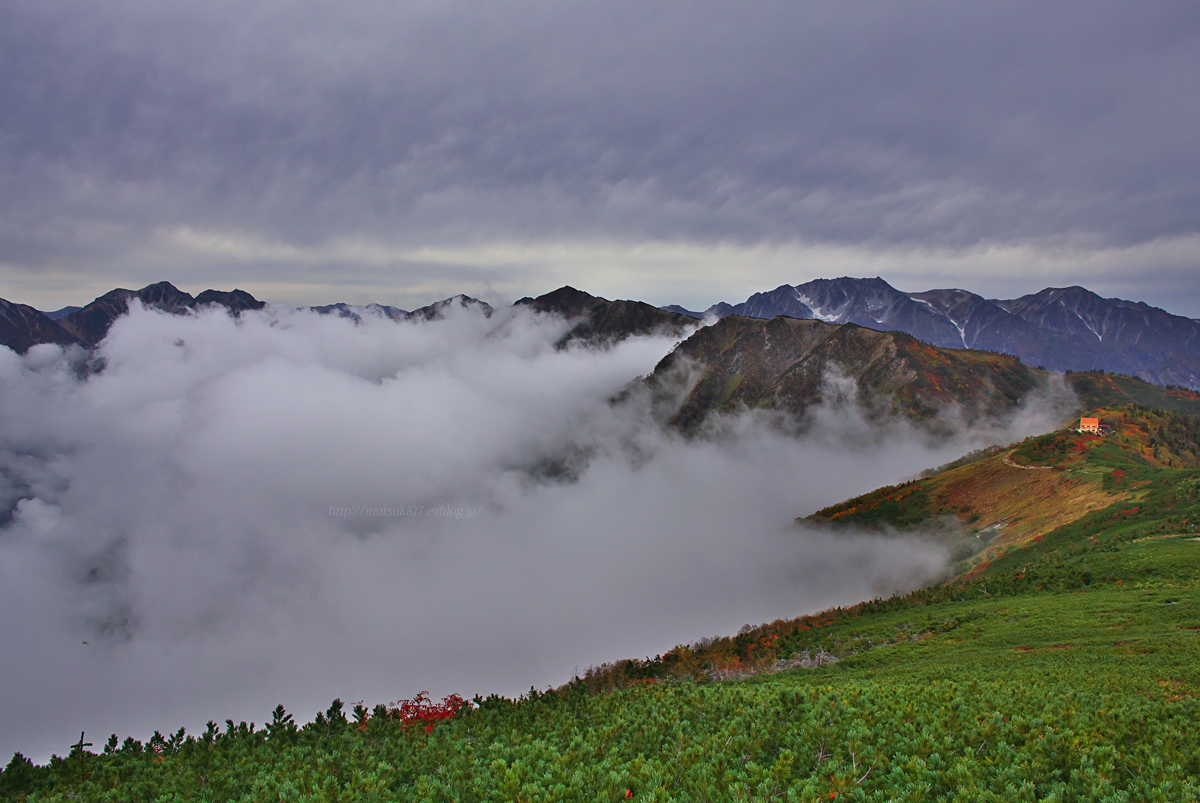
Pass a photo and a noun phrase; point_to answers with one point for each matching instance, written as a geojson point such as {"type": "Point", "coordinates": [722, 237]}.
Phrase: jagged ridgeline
{"type": "Point", "coordinates": [790, 365]}
{"type": "Point", "coordinates": [22, 326]}
{"type": "Point", "coordinates": [1061, 328]}
{"type": "Point", "coordinates": [600, 321]}
{"type": "Point", "coordinates": [595, 320]}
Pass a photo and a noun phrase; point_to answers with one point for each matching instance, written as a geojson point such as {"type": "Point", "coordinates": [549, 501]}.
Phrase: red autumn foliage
{"type": "Point", "coordinates": [422, 709]}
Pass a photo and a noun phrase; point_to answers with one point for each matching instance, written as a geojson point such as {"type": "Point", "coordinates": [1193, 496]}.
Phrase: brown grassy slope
{"type": "Point", "coordinates": [1010, 503]}
{"type": "Point", "coordinates": [1009, 497]}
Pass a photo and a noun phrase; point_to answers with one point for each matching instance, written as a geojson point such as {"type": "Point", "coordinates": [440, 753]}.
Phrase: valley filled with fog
{"type": "Point", "coordinates": [210, 516]}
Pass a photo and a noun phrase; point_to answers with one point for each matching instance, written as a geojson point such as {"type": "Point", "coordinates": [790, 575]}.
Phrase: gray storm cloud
{"type": "Point", "coordinates": [746, 122]}
{"type": "Point", "coordinates": [915, 126]}
{"type": "Point", "coordinates": [288, 508]}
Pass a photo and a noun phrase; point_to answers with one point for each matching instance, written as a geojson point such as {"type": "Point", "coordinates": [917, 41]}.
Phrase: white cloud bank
{"type": "Point", "coordinates": [235, 514]}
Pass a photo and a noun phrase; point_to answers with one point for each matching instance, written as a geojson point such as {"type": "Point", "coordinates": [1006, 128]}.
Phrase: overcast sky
{"type": "Point", "coordinates": [675, 152]}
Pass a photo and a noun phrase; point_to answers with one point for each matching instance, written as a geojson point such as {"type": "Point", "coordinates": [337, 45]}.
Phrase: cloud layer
{"type": "Point", "coordinates": [327, 145]}
{"type": "Point", "coordinates": [289, 508]}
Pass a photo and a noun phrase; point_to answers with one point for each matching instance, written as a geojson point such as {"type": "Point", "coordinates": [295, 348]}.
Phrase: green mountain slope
{"type": "Point", "coordinates": [1100, 389]}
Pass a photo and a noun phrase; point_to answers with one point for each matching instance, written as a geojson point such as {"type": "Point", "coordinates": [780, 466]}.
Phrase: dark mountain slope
{"type": "Point", "coordinates": [786, 364]}
{"type": "Point", "coordinates": [437, 310]}
{"type": "Point", "coordinates": [1112, 322]}
{"type": "Point", "coordinates": [355, 312]}
{"type": "Point", "coordinates": [236, 301]}
{"type": "Point", "coordinates": [1179, 369]}
{"type": "Point", "coordinates": [981, 324]}
{"type": "Point", "coordinates": [602, 321]}
{"type": "Point", "coordinates": [61, 313]}
{"type": "Point", "coordinates": [23, 326]}
{"type": "Point", "coordinates": [789, 365]}
{"type": "Point", "coordinates": [90, 324]}
{"type": "Point", "coordinates": [678, 310]}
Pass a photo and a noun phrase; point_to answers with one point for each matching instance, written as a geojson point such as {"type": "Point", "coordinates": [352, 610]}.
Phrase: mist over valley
{"type": "Point", "coordinates": [210, 514]}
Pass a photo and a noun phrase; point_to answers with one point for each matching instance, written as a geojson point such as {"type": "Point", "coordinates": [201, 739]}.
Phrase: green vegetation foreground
{"type": "Point", "coordinates": [1064, 667]}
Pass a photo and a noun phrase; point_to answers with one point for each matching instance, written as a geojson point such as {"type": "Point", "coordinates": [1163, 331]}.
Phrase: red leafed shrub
{"type": "Point", "coordinates": [422, 709]}
{"type": "Point", "coordinates": [1118, 475]}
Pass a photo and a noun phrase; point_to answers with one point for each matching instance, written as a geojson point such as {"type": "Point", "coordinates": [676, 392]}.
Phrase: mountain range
{"type": "Point", "coordinates": [774, 349]}
{"type": "Point", "coordinates": [1061, 329]}
{"type": "Point", "coordinates": [23, 326]}
{"type": "Point", "coordinates": [595, 319]}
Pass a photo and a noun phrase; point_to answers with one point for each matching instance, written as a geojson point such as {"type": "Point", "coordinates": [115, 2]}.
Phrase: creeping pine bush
{"type": "Point", "coordinates": [1037, 739]}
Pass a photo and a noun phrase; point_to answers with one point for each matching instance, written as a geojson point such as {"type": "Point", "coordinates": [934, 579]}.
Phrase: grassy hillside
{"type": "Point", "coordinates": [1062, 664]}
{"type": "Point", "coordinates": [1007, 499]}
{"type": "Point", "coordinates": [1101, 389]}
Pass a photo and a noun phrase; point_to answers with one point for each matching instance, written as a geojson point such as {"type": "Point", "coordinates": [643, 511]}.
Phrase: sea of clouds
{"type": "Point", "coordinates": [210, 516]}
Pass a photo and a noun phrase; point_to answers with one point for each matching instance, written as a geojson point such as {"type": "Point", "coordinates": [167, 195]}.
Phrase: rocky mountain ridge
{"type": "Point", "coordinates": [1061, 329]}
{"type": "Point", "coordinates": [594, 319]}
{"type": "Point", "coordinates": [599, 320]}
{"type": "Point", "coordinates": [789, 365]}
{"type": "Point", "coordinates": [1064, 329]}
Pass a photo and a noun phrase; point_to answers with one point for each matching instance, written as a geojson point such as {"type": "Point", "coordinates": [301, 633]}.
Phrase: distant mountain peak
{"type": "Point", "coordinates": [438, 309]}
{"type": "Point", "coordinates": [599, 320]}
{"type": "Point", "coordinates": [566, 300]}
{"type": "Point", "coordinates": [88, 325]}
{"type": "Point", "coordinates": [1061, 328]}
